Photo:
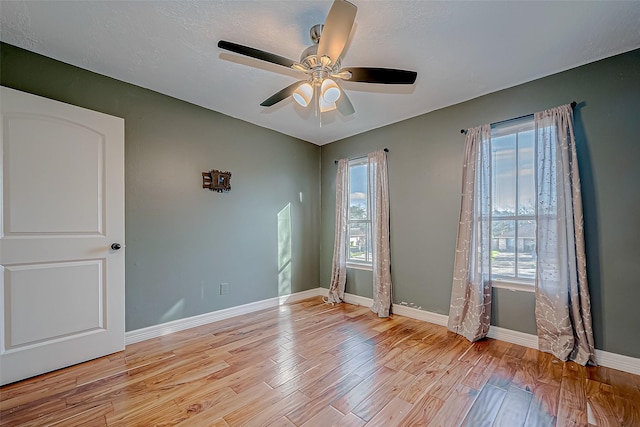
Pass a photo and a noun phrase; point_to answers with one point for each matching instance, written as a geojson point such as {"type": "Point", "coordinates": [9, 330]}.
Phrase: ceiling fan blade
{"type": "Point", "coordinates": [256, 53]}
{"type": "Point", "coordinates": [388, 76]}
{"type": "Point", "coordinates": [279, 96]}
{"type": "Point", "coordinates": [337, 28]}
{"type": "Point", "coordinates": [344, 105]}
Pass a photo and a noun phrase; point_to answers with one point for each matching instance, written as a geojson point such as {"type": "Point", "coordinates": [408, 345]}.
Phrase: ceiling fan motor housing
{"type": "Point", "coordinates": [318, 68]}
{"type": "Point", "coordinates": [315, 32]}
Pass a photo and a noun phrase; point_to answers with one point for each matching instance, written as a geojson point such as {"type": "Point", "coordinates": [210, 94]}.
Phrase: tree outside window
{"type": "Point", "coordinates": [359, 221]}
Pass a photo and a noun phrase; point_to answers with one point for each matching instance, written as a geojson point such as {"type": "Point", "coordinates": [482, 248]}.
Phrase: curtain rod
{"type": "Point", "coordinates": [573, 105]}
{"type": "Point", "coordinates": [386, 150]}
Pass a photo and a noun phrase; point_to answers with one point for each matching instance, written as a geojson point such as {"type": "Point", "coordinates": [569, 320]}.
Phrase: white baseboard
{"type": "Point", "coordinates": [358, 300]}
{"type": "Point", "coordinates": [425, 316]}
{"type": "Point", "coordinates": [604, 358]}
{"type": "Point", "coordinates": [618, 361]}
{"type": "Point", "coordinates": [215, 316]}
{"type": "Point", "coordinates": [514, 337]}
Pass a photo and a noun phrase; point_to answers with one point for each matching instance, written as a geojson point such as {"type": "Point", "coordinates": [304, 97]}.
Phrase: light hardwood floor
{"type": "Point", "coordinates": [311, 364]}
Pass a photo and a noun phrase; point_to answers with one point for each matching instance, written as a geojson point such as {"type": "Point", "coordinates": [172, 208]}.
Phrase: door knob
{"type": "Point", "coordinates": [116, 246]}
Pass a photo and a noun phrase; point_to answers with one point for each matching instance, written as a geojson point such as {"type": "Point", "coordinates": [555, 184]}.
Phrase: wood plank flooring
{"type": "Point", "coordinates": [311, 364]}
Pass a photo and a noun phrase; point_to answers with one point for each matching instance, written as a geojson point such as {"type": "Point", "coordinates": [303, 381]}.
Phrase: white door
{"type": "Point", "coordinates": [62, 195]}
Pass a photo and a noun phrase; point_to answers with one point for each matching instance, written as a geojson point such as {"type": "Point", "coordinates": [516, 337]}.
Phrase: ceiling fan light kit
{"type": "Point", "coordinates": [303, 94]}
{"type": "Point", "coordinates": [326, 106]}
{"type": "Point", "coordinates": [321, 63]}
{"type": "Point", "coordinates": [330, 91]}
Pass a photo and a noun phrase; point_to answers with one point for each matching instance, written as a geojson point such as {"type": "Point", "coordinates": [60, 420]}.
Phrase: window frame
{"type": "Point", "coordinates": [366, 264]}
{"type": "Point", "coordinates": [513, 127]}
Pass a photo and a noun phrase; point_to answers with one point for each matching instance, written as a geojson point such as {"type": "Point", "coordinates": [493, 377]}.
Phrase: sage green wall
{"type": "Point", "coordinates": [425, 173]}
{"type": "Point", "coordinates": [182, 240]}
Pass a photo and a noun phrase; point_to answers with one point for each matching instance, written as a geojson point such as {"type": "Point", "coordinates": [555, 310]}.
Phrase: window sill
{"type": "Point", "coordinates": [513, 285]}
{"type": "Point", "coordinates": [356, 266]}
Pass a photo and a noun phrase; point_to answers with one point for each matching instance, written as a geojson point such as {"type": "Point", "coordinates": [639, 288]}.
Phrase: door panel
{"type": "Point", "coordinates": [68, 188]}
{"type": "Point", "coordinates": [62, 286]}
{"type": "Point", "coordinates": [36, 291]}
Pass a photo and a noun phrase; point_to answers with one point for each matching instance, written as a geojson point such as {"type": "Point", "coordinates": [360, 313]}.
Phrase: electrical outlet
{"type": "Point", "coordinates": [224, 288]}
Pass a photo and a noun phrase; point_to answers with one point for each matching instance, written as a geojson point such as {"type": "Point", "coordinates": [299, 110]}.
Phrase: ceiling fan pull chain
{"type": "Point", "coordinates": [316, 99]}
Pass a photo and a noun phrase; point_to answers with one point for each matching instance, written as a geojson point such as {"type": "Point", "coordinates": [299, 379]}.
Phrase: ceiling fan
{"type": "Point", "coordinates": [321, 63]}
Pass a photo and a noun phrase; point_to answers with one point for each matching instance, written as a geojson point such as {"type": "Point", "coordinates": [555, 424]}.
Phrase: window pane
{"type": "Point", "coordinates": [503, 245]}
{"type": "Point", "coordinates": [526, 175]}
{"type": "Point", "coordinates": [503, 175]}
{"type": "Point", "coordinates": [527, 249]}
{"type": "Point", "coordinates": [358, 191]}
{"type": "Point", "coordinates": [514, 194]}
{"type": "Point", "coordinates": [359, 246]}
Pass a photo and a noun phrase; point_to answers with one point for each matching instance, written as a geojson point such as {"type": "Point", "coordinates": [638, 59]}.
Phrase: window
{"type": "Point", "coordinates": [513, 201]}
{"type": "Point", "coordinates": [359, 219]}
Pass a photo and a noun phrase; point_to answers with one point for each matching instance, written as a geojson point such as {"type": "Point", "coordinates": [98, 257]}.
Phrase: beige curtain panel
{"type": "Point", "coordinates": [339, 265]}
{"type": "Point", "coordinates": [379, 208]}
{"type": "Point", "coordinates": [470, 310]}
{"type": "Point", "coordinates": [563, 305]}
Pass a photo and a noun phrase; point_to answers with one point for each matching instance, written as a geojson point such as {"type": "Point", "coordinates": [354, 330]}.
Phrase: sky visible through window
{"type": "Point", "coordinates": [358, 186]}
{"type": "Point", "coordinates": [503, 150]}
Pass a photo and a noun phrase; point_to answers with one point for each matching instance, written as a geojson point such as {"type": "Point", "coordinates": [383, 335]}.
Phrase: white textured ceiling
{"type": "Point", "coordinates": [460, 50]}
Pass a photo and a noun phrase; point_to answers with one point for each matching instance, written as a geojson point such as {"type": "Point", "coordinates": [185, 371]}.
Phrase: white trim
{"type": "Point", "coordinates": [514, 337]}
{"type": "Point", "coordinates": [358, 300]}
{"type": "Point", "coordinates": [604, 358]}
{"type": "Point", "coordinates": [618, 361]}
{"type": "Point", "coordinates": [425, 316]}
{"type": "Point", "coordinates": [215, 316]}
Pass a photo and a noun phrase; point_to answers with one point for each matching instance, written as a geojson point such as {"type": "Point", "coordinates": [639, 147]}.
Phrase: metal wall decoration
{"type": "Point", "coordinates": [216, 180]}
